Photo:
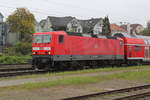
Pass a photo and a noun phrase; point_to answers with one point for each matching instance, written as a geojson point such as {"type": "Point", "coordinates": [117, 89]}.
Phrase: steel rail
{"type": "Point", "coordinates": [19, 73]}
{"type": "Point", "coordinates": [134, 97]}
{"type": "Point", "coordinates": [16, 64]}
{"type": "Point", "coordinates": [14, 69]}
{"type": "Point", "coordinates": [108, 92]}
{"type": "Point", "coordinates": [10, 66]}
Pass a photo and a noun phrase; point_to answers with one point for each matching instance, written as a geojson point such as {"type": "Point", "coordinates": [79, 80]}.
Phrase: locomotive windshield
{"type": "Point", "coordinates": [41, 38]}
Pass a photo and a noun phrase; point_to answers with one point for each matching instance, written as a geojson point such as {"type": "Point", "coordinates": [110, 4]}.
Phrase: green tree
{"type": "Point", "coordinates": [106, 27]}
{"type": "Point", "coordinates": [22, 22]}
{"type": "Point", "coordinates": [148, 24]}
{"type": "Point", "coordinates": [146, 31]}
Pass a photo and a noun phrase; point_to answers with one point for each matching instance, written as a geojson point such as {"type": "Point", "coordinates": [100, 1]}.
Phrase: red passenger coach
{"type": "Point", "coordinates": [136, 48]}
{"type": "Point", "coordinates": [51, 49]}
{"type": "Point", "coordinates": [146, 47]}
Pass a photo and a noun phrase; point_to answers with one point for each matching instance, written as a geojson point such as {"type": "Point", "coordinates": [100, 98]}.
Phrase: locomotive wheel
{"type": "Point", "coordinates": [40, 66]}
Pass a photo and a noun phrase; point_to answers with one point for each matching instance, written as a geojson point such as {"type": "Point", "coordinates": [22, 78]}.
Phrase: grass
{"type": "Point", "coordinates": [108, 69]}
{"type": "Point", "coordinates": [137, 75]}
{"type": "Point", "coordinates": [66, 81]}
{"type": "Point", "coordinates": [141, 75]}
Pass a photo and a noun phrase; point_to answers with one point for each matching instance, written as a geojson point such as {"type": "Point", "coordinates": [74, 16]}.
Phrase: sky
{"type": "Point", "coordinates": [129, 11]}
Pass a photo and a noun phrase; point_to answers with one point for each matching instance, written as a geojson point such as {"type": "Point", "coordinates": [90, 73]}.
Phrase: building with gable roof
{"type": "Point", "coordinates": [136, 29]}
{"type": "Point", "coordinates": [55, 23]}
{"type": "Point", "coordinates": [3, 32]}
{"type": "Point", "coordinates": [1, 17]}
{"type": "Point", "coordinates": [38, 27]}
{"type": "Point", "coordinates": [93, 25]}
{"type": "Point", "coordinates": [74, 26]}
{"type": "Point", "coordinates": [71, 24]}
{"type": "Point", "coordinates": [133, 29]}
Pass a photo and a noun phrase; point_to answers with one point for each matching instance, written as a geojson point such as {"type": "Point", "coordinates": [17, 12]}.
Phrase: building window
{"type": "Point", "coordinates": [79, 30]}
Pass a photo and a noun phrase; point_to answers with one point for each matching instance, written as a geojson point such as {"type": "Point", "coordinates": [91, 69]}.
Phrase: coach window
{"type": "Point", "coordinates": [121, 43]}
{"type": "Point", "coordinates": [149, 42]}
{"type": "Point", "coordinates": [61, 38]}
{"type": "Point", "coordinates": [137, 48]}
{"type": "Point", "coordinates": [146, 41]}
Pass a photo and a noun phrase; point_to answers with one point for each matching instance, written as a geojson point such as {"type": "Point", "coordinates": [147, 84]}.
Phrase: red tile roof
{"type": "Point", "coordinates": [116, 28]}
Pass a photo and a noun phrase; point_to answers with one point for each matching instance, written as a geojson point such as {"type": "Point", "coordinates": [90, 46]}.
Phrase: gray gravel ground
{"type": "Point", "coordinates": [59, 92]}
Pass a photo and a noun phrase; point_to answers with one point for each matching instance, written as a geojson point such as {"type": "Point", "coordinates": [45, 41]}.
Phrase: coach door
{"type": "Point", "coordinates": [130, 51]}
{"type": "Point", "coordinates": [146, 53]}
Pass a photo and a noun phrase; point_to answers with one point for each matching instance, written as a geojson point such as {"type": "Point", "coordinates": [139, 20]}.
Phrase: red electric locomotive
{"type": "Point", "coordinates": [56, 49]}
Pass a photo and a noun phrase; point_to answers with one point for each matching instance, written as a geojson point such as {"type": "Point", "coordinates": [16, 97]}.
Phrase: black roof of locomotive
{"type": "Point", "coordinates": [90, 35]}
{"type": "Point", "coordinates": [124, 35]}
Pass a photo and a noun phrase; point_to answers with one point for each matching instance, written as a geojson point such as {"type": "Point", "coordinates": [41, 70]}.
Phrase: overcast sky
{"type": "Point", "coordinates": [132, 11]}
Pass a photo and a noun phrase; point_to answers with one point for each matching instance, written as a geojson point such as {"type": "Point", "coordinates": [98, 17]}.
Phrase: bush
{"type": "Point", "coordinates": [20, 53]}
{"type": "Point", "coordinates": [23, 48]}
{"type": "Point", "coordinates": [10, 51]}
{"type": "Point", "coordinates": [14, 59]}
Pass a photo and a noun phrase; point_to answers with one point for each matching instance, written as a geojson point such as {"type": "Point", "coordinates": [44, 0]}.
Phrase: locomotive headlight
{"type": "Point", "coordinates": [33, 53]}
{"type": "Point", "coordinates": [47, 48]}
{"type": "Point", "coordinates": [35, 48]}
{"type": "Point", "coordinates": [49, 53]}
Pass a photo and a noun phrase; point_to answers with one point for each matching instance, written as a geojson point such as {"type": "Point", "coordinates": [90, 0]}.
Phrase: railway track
{"type": "Point", "coordinates": [21, 72]}
{"type": "Point", "coordinates": [14, 67]}
{"type": "Point", "coordinates": [11, 70]}
{"type": "Point", "coordinates": [133, 93]}
{"type": "Point", "coordinates": [8, 66]}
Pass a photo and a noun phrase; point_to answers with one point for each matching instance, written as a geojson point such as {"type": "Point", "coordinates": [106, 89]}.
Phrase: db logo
{"type": "Point", "coordinates": [95, 46]}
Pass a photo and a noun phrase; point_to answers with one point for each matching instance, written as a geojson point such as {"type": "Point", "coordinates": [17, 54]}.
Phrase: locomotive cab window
{"type": "Point", "coordinates": [42, 38]}
{"type": "Point", "coordinates": [61, 38]}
